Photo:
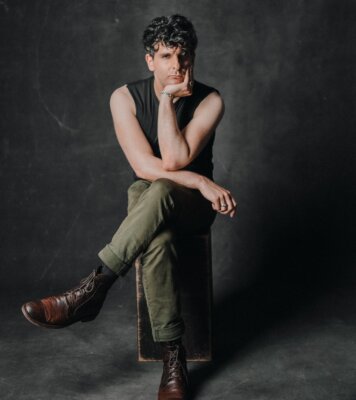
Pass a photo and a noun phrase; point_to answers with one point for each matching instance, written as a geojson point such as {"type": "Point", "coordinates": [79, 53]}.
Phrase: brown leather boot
{"type": "Point", "coordinates": [82, 303]}
{"type": "Point", "coordinates": [174, 382]}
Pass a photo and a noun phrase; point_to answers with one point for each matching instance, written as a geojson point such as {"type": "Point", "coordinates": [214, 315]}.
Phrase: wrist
{"type": "Point", "coordinates": [201, 182]}
{"type": "Point", "coordinates": [166, 93]}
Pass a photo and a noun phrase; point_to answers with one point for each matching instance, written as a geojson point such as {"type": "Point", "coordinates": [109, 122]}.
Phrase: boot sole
{"type": "Point", "coordinates": [44, 325]}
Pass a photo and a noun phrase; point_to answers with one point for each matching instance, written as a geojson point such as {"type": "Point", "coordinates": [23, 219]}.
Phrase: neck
{"type": "Point", "coordinates": [158, 87]}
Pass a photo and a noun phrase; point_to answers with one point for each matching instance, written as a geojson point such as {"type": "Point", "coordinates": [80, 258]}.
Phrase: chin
{"type": "Point", "coordinates": [179, 79]}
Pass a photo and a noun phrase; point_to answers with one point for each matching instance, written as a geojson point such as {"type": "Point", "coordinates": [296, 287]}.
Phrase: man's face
{"type": "Point", "coordinates": [168, 64]}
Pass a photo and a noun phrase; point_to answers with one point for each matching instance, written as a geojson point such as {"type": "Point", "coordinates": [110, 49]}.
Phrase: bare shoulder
{"type": "Point", "coordinates": [214, 98]}
{"type": "Point", "coordinates": [121, 98]}
{"type": "Point", "coordinates": [213, 102]}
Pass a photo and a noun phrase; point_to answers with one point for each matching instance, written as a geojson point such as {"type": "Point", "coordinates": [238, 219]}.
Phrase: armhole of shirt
{"type": "Point", "coordinates": [200, 99]}
{"type": "Point", "coordinates": [133, 98]}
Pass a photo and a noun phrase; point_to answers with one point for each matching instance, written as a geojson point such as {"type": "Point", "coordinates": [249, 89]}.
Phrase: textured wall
{"type": "Point", "coordinates": [285, 147]}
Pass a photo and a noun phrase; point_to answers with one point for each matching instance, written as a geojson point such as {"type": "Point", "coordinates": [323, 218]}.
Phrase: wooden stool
{"type": "Point", "coordinates": [195, 281]}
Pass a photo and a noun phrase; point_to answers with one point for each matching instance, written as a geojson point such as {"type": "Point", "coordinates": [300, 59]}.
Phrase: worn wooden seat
{"type": "Point", "coordinates": [195, 281]}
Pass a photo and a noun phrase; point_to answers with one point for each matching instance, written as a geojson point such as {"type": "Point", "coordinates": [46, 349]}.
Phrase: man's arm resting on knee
{"type": "Point", "coordinates": [147, 166]}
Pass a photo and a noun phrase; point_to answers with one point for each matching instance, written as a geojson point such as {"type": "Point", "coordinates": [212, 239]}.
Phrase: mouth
{"type": "Point", "coordinates": [180, 77]}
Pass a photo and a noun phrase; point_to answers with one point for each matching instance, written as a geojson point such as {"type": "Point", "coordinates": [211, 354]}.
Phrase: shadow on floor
{"type": "Point", "coordinates": [244, 315]}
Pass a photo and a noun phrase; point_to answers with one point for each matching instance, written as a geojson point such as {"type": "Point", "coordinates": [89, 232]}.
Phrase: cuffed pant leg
{"type": "Point", "coordinates": [159, 276]}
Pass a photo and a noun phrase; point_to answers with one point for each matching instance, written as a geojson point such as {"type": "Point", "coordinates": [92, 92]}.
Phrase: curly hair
{"type": "Point", "coordinates": [172, 31]}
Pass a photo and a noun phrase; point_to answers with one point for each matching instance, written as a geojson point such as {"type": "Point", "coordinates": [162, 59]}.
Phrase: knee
{"type": "Point", "coordinates": [162, 187]}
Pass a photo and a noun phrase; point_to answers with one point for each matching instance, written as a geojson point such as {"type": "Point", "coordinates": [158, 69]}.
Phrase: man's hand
{"type": "Point", "coordinates": [183, 89]}
{"type": "Point", "coordinates": [221, 199]}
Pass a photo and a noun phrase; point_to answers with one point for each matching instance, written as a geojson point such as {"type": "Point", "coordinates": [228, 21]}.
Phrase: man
{"type": "Point", "coordinates": [165, 126]}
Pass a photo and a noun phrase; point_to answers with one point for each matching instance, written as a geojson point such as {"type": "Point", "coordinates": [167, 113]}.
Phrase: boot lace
{"type": "Point", "coordinates": [85, 286]}
{"type": "Point", "coordinates": [174, 364]}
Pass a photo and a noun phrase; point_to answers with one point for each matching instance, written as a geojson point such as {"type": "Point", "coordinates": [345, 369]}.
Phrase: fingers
{"type": "Point", "coordinates": [233, 208]}
{"type": "Point", "coordinates": [186, 77]}
{"type": "Point", "coordinates": [216, 205]}
{"type": "Point", "coordinates": [226, 204]}
{"type": "Point", "coordinates": [188, 81]}
{"type": "Point", "coordinates": [191, 79]}
{"type": "Point", "coordinates": [221, 199]}
{"type": "Point", "coordinates": [233, 212]}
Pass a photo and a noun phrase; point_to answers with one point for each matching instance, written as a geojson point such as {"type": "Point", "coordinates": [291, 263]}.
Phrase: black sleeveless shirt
{"type": "Point", "coordinates": [147, 105]}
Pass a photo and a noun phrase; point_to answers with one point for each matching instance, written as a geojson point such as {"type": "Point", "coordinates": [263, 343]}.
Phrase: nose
{"type": "Point", "coordinates": [176, 64]}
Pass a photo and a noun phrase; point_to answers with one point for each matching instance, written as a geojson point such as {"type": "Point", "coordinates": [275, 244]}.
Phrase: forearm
{"type": "Point", "coordinates": [153, 169]}
{"type": "Point", "coordinates": [172, 143]}
{"type": "Point", "coordinates": [220, 198]}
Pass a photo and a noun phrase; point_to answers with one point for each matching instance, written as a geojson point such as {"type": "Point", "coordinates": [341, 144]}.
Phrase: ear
{"type": "Point", "coordinates": [149, 61]}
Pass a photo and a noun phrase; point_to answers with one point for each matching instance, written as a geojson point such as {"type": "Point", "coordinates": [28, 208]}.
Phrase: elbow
{"type": "Point", "coordinates": [175, 162]}
{"type": "Point", "coordinates": [140, 173]}
{"type": "Point", "coordinates": [170, 165]}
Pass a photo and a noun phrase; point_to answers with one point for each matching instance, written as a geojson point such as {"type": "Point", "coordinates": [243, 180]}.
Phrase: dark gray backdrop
{"type": "Point", "coordinates": [285, 147]}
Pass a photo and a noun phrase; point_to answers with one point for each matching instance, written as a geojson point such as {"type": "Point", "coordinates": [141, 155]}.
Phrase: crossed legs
{"type": "Point", "coordinates": [156, 212]}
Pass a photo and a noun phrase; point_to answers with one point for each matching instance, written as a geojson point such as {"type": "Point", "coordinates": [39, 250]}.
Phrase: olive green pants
{"type": "Point", "coordinates": [157, 211]}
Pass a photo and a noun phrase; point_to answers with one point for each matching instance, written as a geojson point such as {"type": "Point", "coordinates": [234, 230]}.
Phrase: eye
{"type": "Point", "coordinates": [184, 59]}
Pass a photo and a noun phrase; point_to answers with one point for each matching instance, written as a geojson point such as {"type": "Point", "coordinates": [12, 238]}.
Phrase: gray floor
{"type": "Point", "coordinates": [269, 344]}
